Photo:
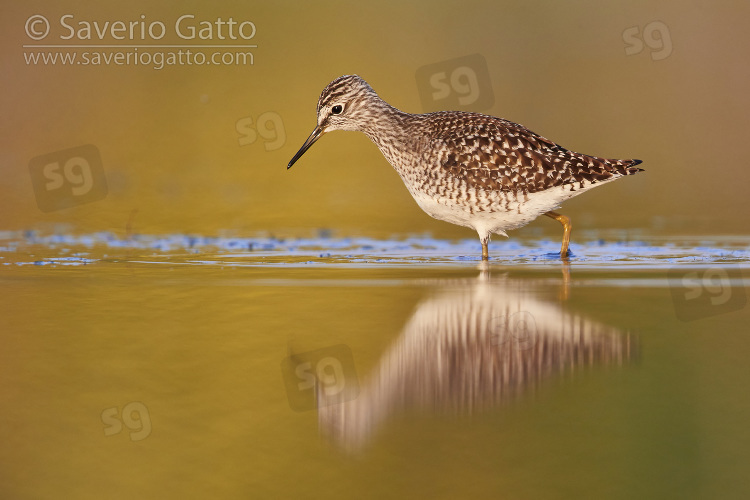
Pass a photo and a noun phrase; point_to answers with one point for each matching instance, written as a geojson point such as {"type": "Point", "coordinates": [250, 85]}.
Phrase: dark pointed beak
{"type": "Point", "coordinates": [309, 142]}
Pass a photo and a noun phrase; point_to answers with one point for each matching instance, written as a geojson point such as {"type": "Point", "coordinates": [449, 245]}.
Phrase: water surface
{"type": "Point", "coordinates": [184, 366]}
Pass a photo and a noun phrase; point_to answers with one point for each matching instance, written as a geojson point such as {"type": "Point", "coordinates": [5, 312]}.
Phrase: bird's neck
{"type": "Point", "coordinates": [388, 129]}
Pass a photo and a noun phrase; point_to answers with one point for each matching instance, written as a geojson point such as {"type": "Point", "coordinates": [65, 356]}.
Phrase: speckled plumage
{"type": "Point", "coordinates": [470, 169]}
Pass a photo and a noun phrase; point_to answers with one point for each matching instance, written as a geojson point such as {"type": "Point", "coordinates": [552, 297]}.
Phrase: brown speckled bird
{"type": "Point", "coordinates": [469, 169]}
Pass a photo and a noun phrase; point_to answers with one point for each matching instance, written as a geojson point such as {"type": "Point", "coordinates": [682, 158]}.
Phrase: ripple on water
{"type": "Point", "coordinates": [31, 248]}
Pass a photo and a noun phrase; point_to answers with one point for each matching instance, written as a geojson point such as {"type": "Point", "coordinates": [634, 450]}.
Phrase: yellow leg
{"type": "Point", "coordinates": [485, 250]}
{"type": "Point", "coordinates": [566, 231]}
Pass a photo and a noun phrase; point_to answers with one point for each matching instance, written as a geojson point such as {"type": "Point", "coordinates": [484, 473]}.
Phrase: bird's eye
{"type": "Point", "coordinates": [337, 109]}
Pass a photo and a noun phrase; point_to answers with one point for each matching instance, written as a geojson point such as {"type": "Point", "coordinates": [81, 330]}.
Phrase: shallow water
{"type": "Point", "coordinates": [184, 366]}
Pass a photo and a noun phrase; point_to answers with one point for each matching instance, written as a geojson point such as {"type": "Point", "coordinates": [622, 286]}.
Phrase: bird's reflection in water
{"type": "Point", "coordinates": [472, 345]}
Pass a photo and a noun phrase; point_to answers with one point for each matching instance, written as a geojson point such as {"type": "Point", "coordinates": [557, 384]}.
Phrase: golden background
{"type": "Point", "coordinates": [198, 339]}
{"type": "Point", "coordinates": [173, 156]}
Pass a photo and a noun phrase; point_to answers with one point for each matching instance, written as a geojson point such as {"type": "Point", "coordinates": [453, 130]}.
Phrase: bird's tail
{"type": "Point", "coordinates": [626, 167]}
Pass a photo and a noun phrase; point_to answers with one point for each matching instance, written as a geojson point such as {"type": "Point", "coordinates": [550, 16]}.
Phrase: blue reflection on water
{"type": "Point", "coordinates": [70, 249]}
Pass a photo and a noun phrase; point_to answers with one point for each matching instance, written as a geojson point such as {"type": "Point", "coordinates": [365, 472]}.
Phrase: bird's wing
{"type": "Point", "coordinates": [499, 155]}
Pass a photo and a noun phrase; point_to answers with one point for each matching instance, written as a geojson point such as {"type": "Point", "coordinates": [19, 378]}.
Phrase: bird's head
{"type": "Point", "coordinates": [345, 104]}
